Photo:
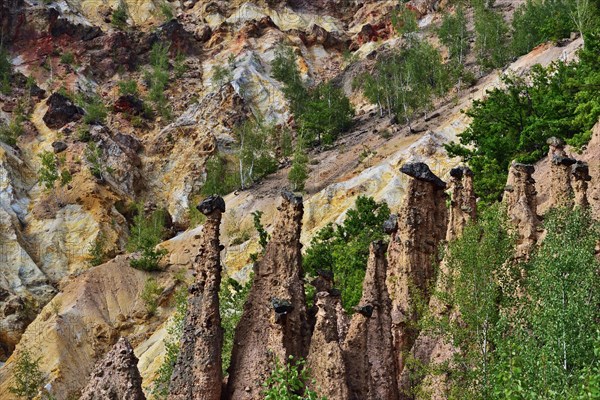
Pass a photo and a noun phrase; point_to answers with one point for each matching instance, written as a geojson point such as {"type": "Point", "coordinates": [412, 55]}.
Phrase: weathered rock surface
{"type": "Point", "coordinates": [369, 349]}
{"type": "Point", "coordinates": [463, 202]}
{"type": "Point", "coordinates": [413, 252]}
{"type": "Point", "coordinates": [61, 111]}
{"type": "Point", "coordinates": [561, 191]}
{"type": "Point", "coordinates": [274, 323]}
{"type": "Point", "coordinates": [197, 375]}
{"type": "Point", "coordinates": [116, 377]}
{"type": "Point", "coordinates": [579, 182]}
{"type": "Point", "coordinates": [325, 359]}
{"type": "Point", "coordinates": [521, 206]}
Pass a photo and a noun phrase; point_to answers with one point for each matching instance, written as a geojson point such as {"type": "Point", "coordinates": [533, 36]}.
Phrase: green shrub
{"type": "Point", "coordinates": [166, 11]}
{"type": "Point", "coordinates": [67, 58]}
{"type": "Point", "coordinates": [5, 71]}
{"type": "Point", "coordinates": [221, 75]}
{"type": "Point", "coordinates": [288, 382]}
{"type": "Point", "coordinates": [145, 234]}
{"type": "Point", "coordinates": [93, 155]}
{"type": "Point", "coordinates": [491, 38]}
{"type": "Point", "coordinates": [150, 295]}
{"type": "Point", "coordinates": [405, 82]}
{"type": "Point", "coordinates": [129, 87]}
{"type": "Point", "coordinates": [120, 15]}
{"type": "Point", "coordinates": [299, 171]}
{"type": "Point", "coordinates": [321, 112]}
{"type": "Point", "coordinates": [344, 249]}
{"type": "Point", "coordinates": [27, 376]}
{"type": "Point", "coordinates": [232, 297]}
{"type": "Point", "coordinates": [95, 110]}
{"type": "Point", "coordinates": [220, 179]}
{"type": "Point", "coordinates": [52, 170]}
{"type": "Point", "coordinates": [160, 385]}
{"type": "Point", "coordinates": [158, 78]}
{"type": "Point", "coordinates": [255, 152]}
{"type": "Point", "coordinates": [96, 251]}
{"type": "Point", "coordinates": [10, 133]}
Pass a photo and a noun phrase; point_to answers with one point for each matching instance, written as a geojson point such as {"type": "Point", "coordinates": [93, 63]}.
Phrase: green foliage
{"type": "Point", "coordinates": [477, 263]}
{"type": "Point", "coordinates": [120, 15]}
{"type": "Point", "coordinates": [95, 110]}
{"type": "Point", "coordinates": [553, 333]}
{"type": "Point", "coordinates": [299, 171]}
{"type": "Point", "coordinates": [67, 58]}
{"type": "Point", "coordinates": [221, 75]}
{"type": "Point", "coordinates": [158, 78]}
{"type": "Point", "coordinates": [166, 11]}
{"type": "Point", "coordinates": [454, 35]}
{"type": "Point", "coordinates": [255, 153]}
{"type": "Point", "coordinates": [491, 38]}
{"type": "Point", "coordinates": [288, 382]}
{"type": "Point", "coordinates": [5, 71]}
{"type": "Point", "coordinates": [10, 133]}
{"type": "Point", "coordinates": [96, 252]}
{"type": "Point", "coordinates": [232, 297]}
{"type": "Point", "coordinates": [150, 295]}
{"type": "Point", "coordinates": [93, 155]}
{"type": "Point", "coordinates": [321, 112]}
{"type": "Point", "coordinates": [220, 179]}
{"type": "Point", "coordinates": [160, 386]}
{"type": "Point", "coordinates": [406, 82]}
{"type": "Point", "coordinates": [52, 170]}
{"type": "Point", "coordinates": [28, 379]}
{"type": "Point", "coordinates": [515, 121]}
{"type": "Point", "coordinates": [537, 21]}
{"type": "Point", "coordinates": [263, 236]}
{"type": "Point", "coordinates": [145, 234]}
{"type": "Point", "coordinates": [179, 65]}
{"type": "Point", "coordinates": [344, 249]}
{"type": "Point", "coordinates": [405, 20]}
{"type": "Point", "coordinates": [129, 87]}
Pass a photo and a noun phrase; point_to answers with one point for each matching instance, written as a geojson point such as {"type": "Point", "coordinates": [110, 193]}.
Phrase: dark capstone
{"type": "Point", "coordinates": [291, 197]}
{"type": "Point", "coordinates": [59, 146]}
{"type": "Point", "coordinates": [566, 161]}
{"type": "Point", "coordinates": [461, 171]}
{"type": "Point", "coordinates": [211, 204]}
{"type": "Point", "coordinates": [59, 26]}
{"type": "Point", "coordinates": [422, 172]}
{"type": "Point", "coordinates": [333, 292]}
{"type": "Point", "coordinates": [391, 224]}
{"type": "Point", "coordinates": [581, 171]}
{"type": "Point", "coordinates": [526, 168]}
{"type": "Point", "coordinates": [367, 310]}
{"type": "Point", "coordinates": [281, 307]}
{"type": "Point", "coordinates": [61, 111]}
{"type": "Point", "coordinates": [379, 247]}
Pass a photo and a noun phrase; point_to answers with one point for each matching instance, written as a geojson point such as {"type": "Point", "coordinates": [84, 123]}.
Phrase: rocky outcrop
{"type": "Point", "coordinates": [369, 350]}
{"type": "Point", "coordinates": [463, 202]}
{"type": "Point", "coordinates": [521, 206]}
{"type": "Point", "coordinates": [580, 178]}
{"type": "Point", "coordinates": [273, 324]}
{"type": "Point", "coordinates": [561, 191]}
{"type": "Point", "coordinates": [61, 111]}
{"type": "Point", "coordinates": [116, 376]}
{"type": "Point", "coordinates": [197, 375]}
{"type": "Point", "coordinates": [413, 252]}
{"type": "Point", "coordinates": [325, 361]}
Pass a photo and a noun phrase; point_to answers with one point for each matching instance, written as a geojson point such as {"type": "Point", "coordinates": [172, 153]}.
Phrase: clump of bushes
{"type": "Point", "coordinates": [147, 232]}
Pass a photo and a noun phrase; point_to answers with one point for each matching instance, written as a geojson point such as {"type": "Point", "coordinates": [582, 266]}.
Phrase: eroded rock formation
{"type": "Point", "coordinates": [561, 191]}
{"type": "Point", "coordinates": [413, 252]}
{"type": "Point", "coordinates": [198, 372]}
{"type": "Point", "coordinates": [273, 324]}
{"type": "Point", "coordinates": [463, 202]}
{"type": "Point", "coordinates": [325, 359]}
{"type": "Point", "coordinates": [369, 350]}
{"type": "Point", "coordinates": [581, 177]}
{"type": "Point", "coordinates": [521, 206]}
{"type": "Point", "coordinates": [116, 376]}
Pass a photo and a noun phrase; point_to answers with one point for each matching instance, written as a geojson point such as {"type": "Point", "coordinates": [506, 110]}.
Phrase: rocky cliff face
{"type": "Point", "coordinates": [198, 371]}
{"type": "Point", "coordinates": [463, 202]}
{"type": "Point", "coordinates": [369, 349]}
{"type": "Point", "coordinates": [273, 325]}
{"type": "Point", "coordinates": [521, 206]}
{"type": "Point", "coordinates": [413, 252]}
{"type": "Point", "coordinates": [116, 377]}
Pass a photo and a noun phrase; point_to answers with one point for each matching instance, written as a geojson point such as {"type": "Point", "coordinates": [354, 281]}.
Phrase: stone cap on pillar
{"type": "Point", "coordinates": [421, 171]}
